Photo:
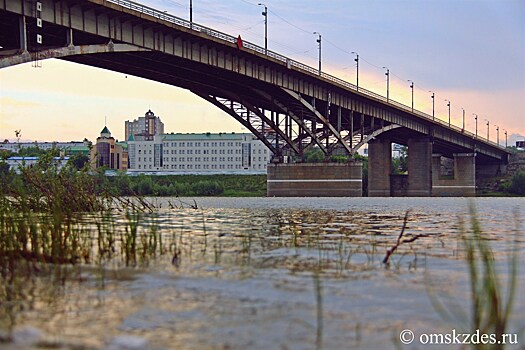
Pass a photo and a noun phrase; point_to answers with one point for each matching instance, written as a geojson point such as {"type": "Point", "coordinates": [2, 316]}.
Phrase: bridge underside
{"type": "Point", "coordinates": [289, 110]}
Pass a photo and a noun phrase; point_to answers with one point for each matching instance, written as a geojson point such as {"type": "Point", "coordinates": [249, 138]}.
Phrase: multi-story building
{"type": "Point", "coordinates": [144, 128]}
{"type": "Point", "coordinates": [109, 153]}
{"type": "Point", "coordinates": [63, 146]}
{"type": "Point", "coordinates": [207, 152]}
{"type": "Point", "coordinates": [17, 163]}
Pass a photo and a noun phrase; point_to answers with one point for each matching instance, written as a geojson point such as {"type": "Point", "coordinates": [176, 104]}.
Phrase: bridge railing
{"type": "Point", "coordinates": [288, 61]}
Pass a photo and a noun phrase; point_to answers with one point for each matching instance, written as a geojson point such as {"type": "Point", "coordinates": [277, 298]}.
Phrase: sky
{"type": "Point", "coordinates": [471, 52]}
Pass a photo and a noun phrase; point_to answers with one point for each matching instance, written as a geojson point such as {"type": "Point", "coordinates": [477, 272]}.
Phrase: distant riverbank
{"type": "Point", "coordinates": [188, 185]}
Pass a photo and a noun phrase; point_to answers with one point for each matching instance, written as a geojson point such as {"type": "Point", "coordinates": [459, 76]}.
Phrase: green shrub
{"type": "Point", "coordinates": [180, 189]}
{"type": "Point", "coordinates": [314, 155]}
{"type": "Point", "coordinates": [504, 186]}
{"type": "Point", "coordinates": [45, 188]}
{"type": "Point", "coordinates": [207, 188]}
{"type": "Point", "coordinates": [517, 183]}
{"type": "Point", "coordinates": [143, 185]}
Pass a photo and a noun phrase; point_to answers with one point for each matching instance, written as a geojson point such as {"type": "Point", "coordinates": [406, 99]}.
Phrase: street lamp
{"type": "Point", "coordinates": [488, 130]}
{"type": "Point", "coordinates": [319, 42]}
{"type": "Point", "coordinates": [356, 59]}
{"type": "Point", "coordinates": [497, 134]}
{"type": "Point", "coordinates": [448, 105]}
{"type": "Point", "coordinates": [476, 118]}
{"type": "Point", "coordinates": [191, 11]}
{"type": "Point", "coordinates": [412, 87]}
{"type": "Point", "coordinates": [463, 119]}
{"type": "Point", "coordinates": [433, 101]}
{"type": "Point", "coordinates": [387, 83]}
{"type": "Point", "coordinates": [265, 14]}
{"type": "Point", "coordinates": [506, 145]}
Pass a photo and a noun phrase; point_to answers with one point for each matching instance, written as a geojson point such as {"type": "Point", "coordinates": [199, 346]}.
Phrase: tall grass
{"type": "Point", "coordinates": [52, 216]}
{"type": "Point", "coordinates": [491, 301]}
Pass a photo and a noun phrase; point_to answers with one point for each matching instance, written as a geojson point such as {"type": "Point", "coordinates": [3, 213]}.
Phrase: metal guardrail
{"type": "Point", "coordinates": [289, 62]}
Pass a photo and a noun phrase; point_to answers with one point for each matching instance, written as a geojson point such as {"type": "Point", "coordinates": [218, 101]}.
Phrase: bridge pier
{"type": "Point", "coordinates": [463, 183]}
{"type": "Point", "coordinates": [419, 167]}
{"type": "Point", "coordinates": [314, 180]}
{"type": "Point", "coordinates": [418, 182]}
{"type": "Point", "coordinates": [379, 167]}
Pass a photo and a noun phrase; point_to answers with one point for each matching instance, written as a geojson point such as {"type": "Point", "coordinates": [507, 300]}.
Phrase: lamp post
{"type": "Point", "coordinates": [433, 101]}
{"type": "Point", "coordinates": [356, 59]}
{"type": "Point", "coordinates": [488, 130]}
{"type": "Point", "coordinates": [463, 128]}
{"type": "Point", "coordinates": [448, 105]}
{"type": "Point", "coordinates": [412, 87]}
{"type": "Point", "coordinates": [476, 118]}
{"type": "Point", "coordinates": [191, 11]}
{"type": "Point", "coordinates": [265, 14]}
{"type": "Point", "coordinates": [497, 134]}
{"type": "Point", "coordinates": [387, 83]}
{"type": "Point", "coordinates": [506, 145]}
{"type": "Point", "coordinates": [319, 42]}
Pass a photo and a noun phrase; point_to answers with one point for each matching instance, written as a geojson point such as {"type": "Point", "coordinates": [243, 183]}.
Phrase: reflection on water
{"type": "Point", "coordinates": [259, 273]}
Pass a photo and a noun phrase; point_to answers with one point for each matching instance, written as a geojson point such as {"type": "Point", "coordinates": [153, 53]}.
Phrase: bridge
{"type": "Point", "coordinates": [288, 105]}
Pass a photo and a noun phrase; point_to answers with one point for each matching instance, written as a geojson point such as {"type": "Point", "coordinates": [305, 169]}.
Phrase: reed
{"type": "Point", "coordinates": [491, 301]}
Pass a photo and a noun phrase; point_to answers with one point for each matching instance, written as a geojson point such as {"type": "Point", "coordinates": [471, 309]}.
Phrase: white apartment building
{"type": "Point", "coordinates": [18, 163]}
{"type": "Point", "coordinates": [144, 128]}
{"type": "Point", "coordinates": [199, 153]}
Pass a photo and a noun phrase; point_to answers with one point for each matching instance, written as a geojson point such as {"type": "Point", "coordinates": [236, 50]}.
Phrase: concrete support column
{"type": "Point", "coordinates": [315, 180]}
{"type": "Point", "coordinates": [436, 168]}
{"type": "Point", "coordinates": [379, 168]}
{"type": "Point", "coordinates": [23, 33]}
{"type": "Point", "coordinates": [464, 182]}
{"type": "Point", "coordinates": [465, 173]}
{"type": "Point", "coordinates": [69, 37]}
{"type": "Point", "coordinates": [419, 167]}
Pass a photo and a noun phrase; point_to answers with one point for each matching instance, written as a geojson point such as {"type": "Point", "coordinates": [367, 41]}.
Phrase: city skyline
{"type": "Point", "coordinates": [459, 57]}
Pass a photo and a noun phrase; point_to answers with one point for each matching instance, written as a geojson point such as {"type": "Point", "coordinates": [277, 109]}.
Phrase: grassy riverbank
{"type": "Point", "coordinates": [189, 185]}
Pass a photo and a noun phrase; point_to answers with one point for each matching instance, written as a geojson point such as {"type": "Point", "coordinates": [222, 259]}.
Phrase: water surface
{"type": "Point", "coordinates": [270, 273]}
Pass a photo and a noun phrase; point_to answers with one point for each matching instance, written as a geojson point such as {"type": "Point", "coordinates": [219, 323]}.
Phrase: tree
{"type": "Point", "coordinates": [4, 154]}
{"type": "Point", "coordinates": [400, 164]}
{"type": "Point", "coordinates": [4, 169]}
{"type": "Point", "coordinates": [517, 183]}
{"type": "Point", "coordinates": [35, 151]}
{"type": "Point", "coordinates": [79, 160]}
{"type": "Point", "coordinates": [314, 155]}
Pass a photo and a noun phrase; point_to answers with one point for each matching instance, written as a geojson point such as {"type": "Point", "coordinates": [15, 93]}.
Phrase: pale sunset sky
{"type": "Point", "coordinates": [471, 52]}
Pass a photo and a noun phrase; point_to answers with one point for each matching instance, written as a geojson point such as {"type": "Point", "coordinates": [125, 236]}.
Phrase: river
{"type": "Point", "coordinates": [273, 273]}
